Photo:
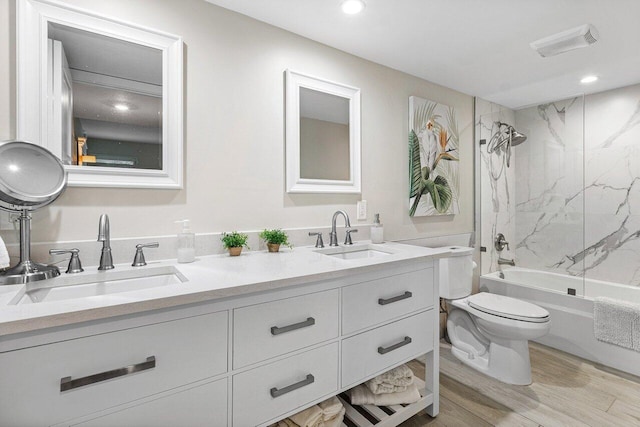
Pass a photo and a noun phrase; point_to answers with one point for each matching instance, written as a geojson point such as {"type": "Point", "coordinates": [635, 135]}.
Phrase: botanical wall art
{"type": "Point", "coordinates": [434, 181]}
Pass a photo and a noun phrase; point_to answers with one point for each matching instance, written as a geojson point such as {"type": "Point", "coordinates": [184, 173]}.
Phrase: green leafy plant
{"type": "Point", "coordinates": [275, 237]}
{"type": "Point", "coordinates": [234, 240]}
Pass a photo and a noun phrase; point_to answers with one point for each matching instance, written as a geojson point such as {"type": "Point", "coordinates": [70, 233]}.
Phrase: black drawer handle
{"type": "Point", "coordinates": [275, 330]}
{"type": "Point", "coordinates": [308, 380]}
{"type": "Point", "coordinates": [406, 295]}
{"type": "Point", "coordinates": [405, 341]}
{"type": "Point", "coordinates": [67, 383]}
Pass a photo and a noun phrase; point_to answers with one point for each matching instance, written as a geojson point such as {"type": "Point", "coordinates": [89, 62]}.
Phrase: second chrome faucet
{"type": "Point", "coordinates": [104, 236]}
{"type": "Point", "coordinates": [333, 235]}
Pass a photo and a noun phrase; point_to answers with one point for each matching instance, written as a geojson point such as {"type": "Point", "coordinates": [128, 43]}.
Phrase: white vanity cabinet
{"type": "Point", "coordinates": [243, 361]}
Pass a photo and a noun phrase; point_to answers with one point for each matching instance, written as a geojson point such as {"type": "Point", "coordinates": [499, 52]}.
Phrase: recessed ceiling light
{"type": "Point", "coordinates": [351, 7]}
{"type": "Point", "coordinates": [121, 107]}
{"type": "Point", "coordinates": [588, 79]}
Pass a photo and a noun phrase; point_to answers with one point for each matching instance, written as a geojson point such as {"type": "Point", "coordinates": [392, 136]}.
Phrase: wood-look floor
{"type": "Point", "coordinates": [566, 391]}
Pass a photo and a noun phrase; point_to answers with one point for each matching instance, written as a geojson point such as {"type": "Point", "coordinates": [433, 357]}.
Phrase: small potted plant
{"type": "Point", "coordinates": [275, 238]}
{"type": "Point", "coordinates": [234, 242]}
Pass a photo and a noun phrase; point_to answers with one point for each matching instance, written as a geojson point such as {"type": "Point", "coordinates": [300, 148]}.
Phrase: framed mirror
{"type": "Point", "coordinates": [322, 135]}
{"type": "Point", "coordinates": [104, 96]}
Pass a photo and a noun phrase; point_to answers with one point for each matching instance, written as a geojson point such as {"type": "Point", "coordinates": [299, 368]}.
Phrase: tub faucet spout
{"type": "Point", "coordinates": [104, 236]}
{"type": "Point", "coordinates": [504, 261]}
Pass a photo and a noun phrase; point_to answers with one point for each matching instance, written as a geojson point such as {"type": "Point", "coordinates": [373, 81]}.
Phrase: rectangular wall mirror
{"type": "Point", "coordinates": [322, 135]}
{"type": "Point", "coordinates": [103, 95]}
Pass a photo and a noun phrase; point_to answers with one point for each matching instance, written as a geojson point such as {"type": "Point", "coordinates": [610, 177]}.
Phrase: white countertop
{"type": "Point", "coordinates": [208, 278]}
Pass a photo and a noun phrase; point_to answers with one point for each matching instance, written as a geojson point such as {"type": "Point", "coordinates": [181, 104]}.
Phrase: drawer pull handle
{"type": "Point", "coordinates": [405, 341]}
{"type": "Point", "coordinates": [275, 330]}
{"type": "Point", "coordinates": [406, 295]}
{"type": "Point", "coordinates": [308, 380]}
{"type": "Point", "coordinates": [67, 383]}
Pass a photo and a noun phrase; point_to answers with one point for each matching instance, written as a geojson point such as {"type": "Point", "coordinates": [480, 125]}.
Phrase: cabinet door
{"type": "Point", "coordinates": [370, 303]}
{"type": "Point", "coordinates": [204, 405]}
{"type": "Point", "coordinates": [267, 392]}
{"type": "Point", "coordinates": [69, 379]}
{"type": "Point", "coordinates": [263, 331]}
{"type": "Point", "coordinates": [383, 348]}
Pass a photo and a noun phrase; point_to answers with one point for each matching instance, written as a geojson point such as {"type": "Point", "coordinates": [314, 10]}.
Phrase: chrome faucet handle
{"type": "Point", "coordinates": [74, 262]}
{"type": "Point", "coordinates": [500, 242]}
{"type": "Point", "coordinates": [138, 259]}
{"type": "Point", "coordinates": [347, 237]}
{"type": "Point", "coordinates": [319, 242]}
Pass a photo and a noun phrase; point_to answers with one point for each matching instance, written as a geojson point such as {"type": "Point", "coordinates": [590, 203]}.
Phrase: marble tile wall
{"type": "Point", "coordinates": [577, 187]}
{"type": "Point", "coordinates": [497, 186]}
{"type": "Point", "coordinates": [549, 187]}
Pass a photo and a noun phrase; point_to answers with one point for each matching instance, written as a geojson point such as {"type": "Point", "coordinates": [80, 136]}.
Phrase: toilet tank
{"type": "Point", "coordinates": [456, 272]}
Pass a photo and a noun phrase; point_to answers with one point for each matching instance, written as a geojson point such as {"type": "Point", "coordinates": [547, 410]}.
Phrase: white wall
{"type": "Point", "coordinates": [234, 133]}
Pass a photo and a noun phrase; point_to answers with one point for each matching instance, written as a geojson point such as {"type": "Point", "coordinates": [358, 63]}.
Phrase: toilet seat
{"type": "Point", "coordinates": [510, 308]}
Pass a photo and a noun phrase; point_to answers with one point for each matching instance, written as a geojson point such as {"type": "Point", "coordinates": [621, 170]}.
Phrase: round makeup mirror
{"type": "Point", "coordinates": [30, 178]}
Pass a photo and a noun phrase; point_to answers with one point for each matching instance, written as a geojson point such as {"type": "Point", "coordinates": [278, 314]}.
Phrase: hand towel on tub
{"type": "Point", "coordinates": [617, 322]}
{"type": "Point", "coordinates": [395, 380]}
{"type": "Point", "coordinates": [361, 395]}
{"type": "Point", "coordinates": [4, 255]}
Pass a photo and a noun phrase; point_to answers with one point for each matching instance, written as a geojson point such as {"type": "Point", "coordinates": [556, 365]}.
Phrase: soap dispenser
{"type": "Point", "coordinates": [377, 230]}
{"type": "Point", "coordinates": [186, 243]}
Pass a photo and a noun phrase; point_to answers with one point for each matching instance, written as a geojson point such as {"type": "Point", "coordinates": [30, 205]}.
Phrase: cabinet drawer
{"type": "Point", "coordinates": [267, 330]}
{"type": "Point", "coordinates": [185, 350]}
{"type": "Point", "coordinates": [264, 393]}
{"type": "Point", "coordinates": [380, 349]}
{"type": "Point", "coordinates": [370, 303]}
{"type": "Point", "coordinates": [204, 405]}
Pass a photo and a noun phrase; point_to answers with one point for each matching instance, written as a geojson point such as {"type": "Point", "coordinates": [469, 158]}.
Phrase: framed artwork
{"type": "Point", "coordinates": [434, 180]}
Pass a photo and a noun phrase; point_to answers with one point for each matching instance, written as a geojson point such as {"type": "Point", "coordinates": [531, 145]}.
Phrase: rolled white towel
{"type": "Point", "coordinates": [4, 255]}
{"type": "Point", "coordinates": [393, 381]}
{"type": "Point", "coordinates": [361, 395]}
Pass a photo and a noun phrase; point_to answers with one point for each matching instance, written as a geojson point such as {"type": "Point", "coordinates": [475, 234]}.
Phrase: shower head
{"type": "Point", "coordinates": [517, 137]}
{"type": "Point", "coordinates": [505, 137]}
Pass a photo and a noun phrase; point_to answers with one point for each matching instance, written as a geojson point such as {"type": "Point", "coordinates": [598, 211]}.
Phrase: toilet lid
{"type": "Point", "coordinates": [511, 308]}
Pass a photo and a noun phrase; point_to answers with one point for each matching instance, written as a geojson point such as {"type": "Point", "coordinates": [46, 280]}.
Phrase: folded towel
{"type": "Point", "coordinates": [285, 423]}
{"type": "Point", "coordinates": [393, 381]}
{"type": "Point", "coordinates": [617, 322]}
{"type": "Point", "coordinates": [4, 255]}
{"type": "Point", "coordinates": [336, 421]}
{"type": "Point", "coordinates": [330, 408]}
{"type": "Point", "coordinates": [310, 417]}
{"type": "Point", "coordinates": [329, 413]}
{"type": "Point", "coordinates": [361, 395]}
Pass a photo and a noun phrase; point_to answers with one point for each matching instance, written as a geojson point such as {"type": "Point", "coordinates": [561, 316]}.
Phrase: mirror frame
{"type": "Point", "coordinates": [296, 184]}
{"type": "Point", "coordinates": [33, 17]}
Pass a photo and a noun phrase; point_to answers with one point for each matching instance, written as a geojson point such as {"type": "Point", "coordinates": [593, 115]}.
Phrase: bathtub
{"type": "Point", "coordinates": [571, 316]}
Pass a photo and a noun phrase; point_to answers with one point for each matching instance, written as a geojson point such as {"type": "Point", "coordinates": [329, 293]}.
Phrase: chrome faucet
{"type": "Point", "coordinates": [500, 242]}
{"type": "Point", "coordinates": [333, 236]}
{"type": "Point", "coordinates": [104, 236]}
{"type": "Point", "coordinates": [504, 261]}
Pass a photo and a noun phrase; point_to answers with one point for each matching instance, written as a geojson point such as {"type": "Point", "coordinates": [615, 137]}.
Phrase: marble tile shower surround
{"type": "Point", "coordinates": [578, 204]}
{"type": "Point", "coordinates": [497, 187]}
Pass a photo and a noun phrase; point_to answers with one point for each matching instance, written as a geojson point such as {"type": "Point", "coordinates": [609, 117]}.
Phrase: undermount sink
{"type": "Point", "coordinates": [104, 283]}
{"type": "Point", "coordinates": [354, 252]}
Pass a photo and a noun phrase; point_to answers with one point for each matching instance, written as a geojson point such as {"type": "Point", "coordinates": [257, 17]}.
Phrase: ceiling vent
{"type": "Point", "coordinates": [575, 38]}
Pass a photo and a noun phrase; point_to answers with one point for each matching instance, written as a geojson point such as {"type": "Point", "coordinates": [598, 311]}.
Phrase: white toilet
{"type": "Point", "coordinates": [488, 332]}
